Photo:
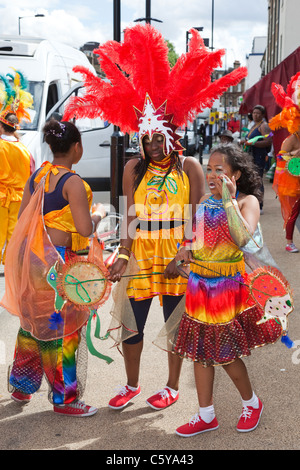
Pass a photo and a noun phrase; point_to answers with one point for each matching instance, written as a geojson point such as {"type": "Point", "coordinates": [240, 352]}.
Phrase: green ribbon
{"type": "Point", "coordinates": [89, 342]}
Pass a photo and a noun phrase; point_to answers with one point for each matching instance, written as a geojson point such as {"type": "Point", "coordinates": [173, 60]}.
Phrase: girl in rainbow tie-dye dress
{"type": "Point", "coordinates": [219, 325]}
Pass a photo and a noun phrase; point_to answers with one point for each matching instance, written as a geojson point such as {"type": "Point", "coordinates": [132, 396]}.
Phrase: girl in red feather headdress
{"type": "Point", "coordinates": [142, 94]}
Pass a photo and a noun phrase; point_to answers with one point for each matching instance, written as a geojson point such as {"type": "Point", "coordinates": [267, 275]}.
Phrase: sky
{"type": "Point", "coordinates": [74, 22]}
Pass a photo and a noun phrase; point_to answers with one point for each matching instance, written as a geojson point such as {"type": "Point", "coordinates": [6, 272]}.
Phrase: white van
{"type": "Point", "coordinates": [48, 65]}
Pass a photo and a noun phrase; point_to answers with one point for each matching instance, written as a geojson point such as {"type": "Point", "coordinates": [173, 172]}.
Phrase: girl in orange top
{"type": "Point", "coordinates": [287, 187]}
{"type": "Point", "coordinates": [287, 184]}
{"type": "Point", "coordinates": [66, 206]}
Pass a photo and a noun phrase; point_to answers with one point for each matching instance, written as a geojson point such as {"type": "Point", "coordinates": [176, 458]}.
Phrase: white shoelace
{"type": "Point", "coordinates": [78, 404]}
{"type": "Point", "coordinates": [164, 393]}
{"type": "Point", "coordinates": [122, 390]}
{"type": "Point", "coordinates": [246, 413]}
{"type": "Point", "coordinates": [75, 404]}
{"type": "Point", "coordinates": [194, 419]}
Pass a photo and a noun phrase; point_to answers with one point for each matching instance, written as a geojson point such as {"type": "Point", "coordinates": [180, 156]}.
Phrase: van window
{"type": "Point", "coordinates": [52, 97]}
{"type": "Point", "coordinates": [36, 89]}
{"type": "Point", "coordinates": [85, 124]}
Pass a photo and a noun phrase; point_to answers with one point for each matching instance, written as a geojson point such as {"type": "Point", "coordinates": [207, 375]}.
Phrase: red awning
{"type": "Point", "coordinates": [260, 93]}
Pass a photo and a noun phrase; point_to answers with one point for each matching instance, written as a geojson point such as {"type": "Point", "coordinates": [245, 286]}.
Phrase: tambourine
{"type": "Point", "coordinates": [83, 283]}
{"type": "Point", "coordinates": [272, 292]}
{"type": "Point", "coordinates": [293, 166]}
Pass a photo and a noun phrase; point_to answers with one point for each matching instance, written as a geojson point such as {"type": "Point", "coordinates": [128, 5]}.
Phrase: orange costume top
{"type": "Point", "coordinates": [30, 258]}
{"type": "Point", "coordinates": [162, 209]}
{"type": "Point", "coordinates": [14, 171]}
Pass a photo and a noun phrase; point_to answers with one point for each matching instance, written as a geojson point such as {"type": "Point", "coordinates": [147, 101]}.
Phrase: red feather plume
{"type": "Point", "coordinates": [140, 65]}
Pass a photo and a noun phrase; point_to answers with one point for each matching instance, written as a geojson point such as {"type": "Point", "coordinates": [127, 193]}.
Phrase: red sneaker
{"type": "Point", "coordinates": [196, 426]}
{"type": "Point", "coordinates": [249, 418]}
{"type": "Point", "coordinates": [291, 248]}
{"type": "Point", "coordinates": [20, 397]}
{"type": "Point", "coordinates": [162, 399]}
{"type": "Point", "coordinates": [77, 408]}
{"type": "Point", "coordinates": [124, 396]}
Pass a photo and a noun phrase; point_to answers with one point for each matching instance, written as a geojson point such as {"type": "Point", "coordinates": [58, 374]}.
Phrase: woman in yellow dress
{"type": "Point", "coordinates": [159, 191]}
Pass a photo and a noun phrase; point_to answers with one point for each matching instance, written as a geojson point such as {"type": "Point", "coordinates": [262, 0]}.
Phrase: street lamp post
{"type": "Point", "coordinates": [148, 18]}
{"type": "Point", "coordinates": [117, 148]}
{"type": "Point", "coordinates": [21, 17]}
{"type": "Point", "coordinates": [212, 23]}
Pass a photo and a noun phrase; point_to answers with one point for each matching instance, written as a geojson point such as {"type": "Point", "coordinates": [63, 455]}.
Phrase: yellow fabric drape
{"type": "Point", "coordinates": [14, 171]}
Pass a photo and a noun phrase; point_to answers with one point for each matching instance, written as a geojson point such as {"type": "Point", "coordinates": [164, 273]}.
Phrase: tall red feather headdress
{"type": "Point", "coordinates": [140, 85]}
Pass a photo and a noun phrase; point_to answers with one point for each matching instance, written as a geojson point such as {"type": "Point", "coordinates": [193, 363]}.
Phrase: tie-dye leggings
{"type": "Point", "coordinates": [56, 359]}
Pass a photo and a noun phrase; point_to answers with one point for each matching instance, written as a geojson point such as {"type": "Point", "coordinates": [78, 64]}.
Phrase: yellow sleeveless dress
{"type": "Point", "coordinates": [162, 209]}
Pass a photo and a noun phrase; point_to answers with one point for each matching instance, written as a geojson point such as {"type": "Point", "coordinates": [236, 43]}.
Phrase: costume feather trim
{"type": "Point", "coordinates": [289, 101]}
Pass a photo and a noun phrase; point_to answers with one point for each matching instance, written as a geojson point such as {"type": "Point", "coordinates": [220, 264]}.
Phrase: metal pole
{"type": "Point", "coordinates": [117, 149]}
{"type": "Point", "coordinates": [185, 138]}
{"type": "Point", "coordinates": [212, 23]}
{"type": "Point", "coordinates": [148, 11]}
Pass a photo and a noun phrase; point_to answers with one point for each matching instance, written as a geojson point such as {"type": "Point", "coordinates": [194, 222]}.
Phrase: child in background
{"type": "Point", "coordinates": [219, 326]}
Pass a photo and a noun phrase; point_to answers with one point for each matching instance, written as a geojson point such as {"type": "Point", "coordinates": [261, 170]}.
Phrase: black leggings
{"type": "Point", "coordinates": [141, 309]}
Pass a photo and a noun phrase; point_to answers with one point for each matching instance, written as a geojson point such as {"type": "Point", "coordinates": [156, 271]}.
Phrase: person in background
{"type": "Point", "coordinates": [288, 188]}
{"type": "Point", "coordinates": [286, 182]}
{"type": "Point", "coordinates": [226, 137]}
{"type": "Point", "coordinates": [16, 165]}
{"type": "Point", "coordinates": [233, 125]}
{"type": "Point", "coordinates": [259, 149]}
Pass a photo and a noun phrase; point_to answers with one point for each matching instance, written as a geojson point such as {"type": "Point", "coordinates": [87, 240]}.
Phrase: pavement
{"type": "Point", "coordinates": [274, 372]}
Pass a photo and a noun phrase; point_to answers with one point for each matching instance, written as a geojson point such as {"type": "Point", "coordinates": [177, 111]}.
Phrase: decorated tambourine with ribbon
{"type": "Point", "coordinates": [81, 281]}
{"type": "Point", "coordinates": [272, 292]}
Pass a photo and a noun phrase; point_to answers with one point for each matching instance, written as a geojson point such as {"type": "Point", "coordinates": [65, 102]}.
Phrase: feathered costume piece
{"type": "Point", "coordinates": [14, 98]}
{"type": "Point", "coordinates": [142, 94]}
{"type": "Point", "coordinates": [286, 179]}
{"type": "Point", "coordinates": [289, 101]}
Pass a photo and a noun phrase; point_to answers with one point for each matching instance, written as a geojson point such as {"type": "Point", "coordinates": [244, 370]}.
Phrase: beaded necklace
{"type": "Point", "coordinates": [160, 179]}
